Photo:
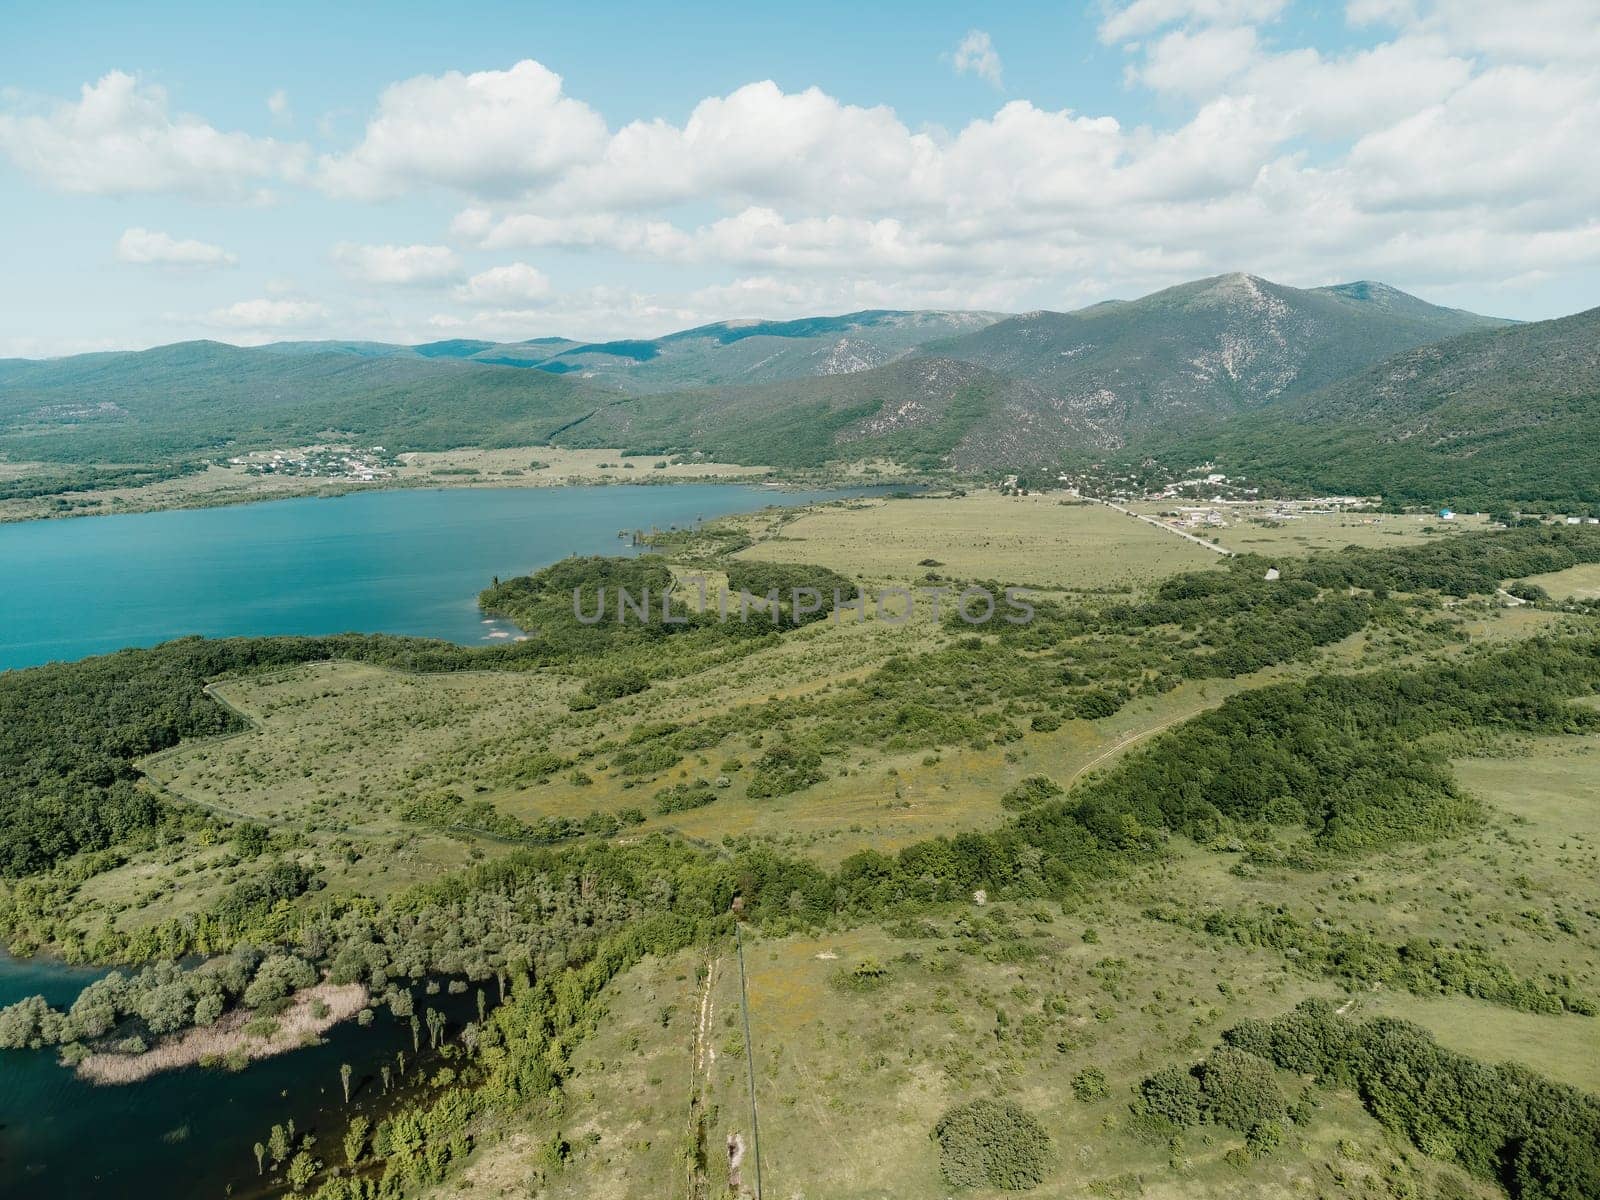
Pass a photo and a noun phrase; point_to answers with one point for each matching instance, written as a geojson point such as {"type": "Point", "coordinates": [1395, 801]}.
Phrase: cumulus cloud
{"type": "Point", "coordinates": [268, 314]}
{"type": "Point", "coordinates": [120, 138]}
{"type": "Point", "coordinates": [976, 54]}
{"type": "Point", "coordinates": [396, 264]}
{"type": "Point", "coordinates": [1124, 21]}
{"type": "Point", "coordinates": [1446, 144]}
{"type": "Point", "coordinates": [490, 132]}
{"type": "Point", "coordinates": [147, 247]}
{"type": "Point", "coordinates": [516, 283]}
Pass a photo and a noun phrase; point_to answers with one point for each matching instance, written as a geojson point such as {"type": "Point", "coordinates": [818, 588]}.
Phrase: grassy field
{"type": "Point", "coordinates": [1013, 1000]}
{"type": "Point", "coordinates": [1008, 1000]}
{"type": "Point", "coordinates": [1252, 528]}
{"type": "Point", "coordinates": [1027, 540]}
{"type": "Point", "coordinates": [1575, 583]}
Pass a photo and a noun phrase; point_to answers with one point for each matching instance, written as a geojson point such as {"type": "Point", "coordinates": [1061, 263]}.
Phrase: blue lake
{"type": "Point", "coordinates": [408, 562]}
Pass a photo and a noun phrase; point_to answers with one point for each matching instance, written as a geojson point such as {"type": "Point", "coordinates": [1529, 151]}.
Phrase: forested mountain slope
{"type": "Point", "coordinates": [200, 397]}
{"type": "Point", "coordinates": [1505, 416]}
{"type": "Point", "coordinates": [1212, 347]}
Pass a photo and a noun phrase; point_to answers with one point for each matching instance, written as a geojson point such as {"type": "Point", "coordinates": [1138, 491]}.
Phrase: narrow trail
{"type": "Point", "coordinates": [704, 1056]}
{"type": "Point", "coordinates": [1123, 743]}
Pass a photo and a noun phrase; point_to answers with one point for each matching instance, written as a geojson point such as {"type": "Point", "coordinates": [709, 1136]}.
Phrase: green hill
{"type": "Point", "coordinates": [926, 411]}
{"type": "Point", "coordinates": [200, 397]}
{"type": "Point", "coordinates": [1509, 416]}
{"type": "Point", "coordinates": [1212, 347]}
{"type": "Point", "coordinates": [733, 353]}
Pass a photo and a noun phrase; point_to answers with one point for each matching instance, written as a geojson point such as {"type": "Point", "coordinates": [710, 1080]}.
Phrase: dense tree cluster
{"type": "Point", "coordinates": [1504, 1122]}
{"type": "Point", "coordinates": [992, 1143]}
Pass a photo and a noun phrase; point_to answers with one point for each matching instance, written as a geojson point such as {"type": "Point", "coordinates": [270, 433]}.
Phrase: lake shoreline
{"type": "Point", "coordinates": [229, 1036]}
{"type": "Point", "coordinates": [408, 561]}
{"type": "Point", "coordinates": [224, 487]}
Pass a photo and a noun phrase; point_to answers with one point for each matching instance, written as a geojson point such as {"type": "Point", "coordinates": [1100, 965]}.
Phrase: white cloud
{"type": "Point", "coordinates": [517, 283]}
{"type": "Point", "coordinates": [278, 106]}
{"type": "Point", "coordinates": [120, 139]}
{"type": "Point", "coordinates": [490, 133]}
{"type": "Point", "coordinates": [1447, 147]}
{"type": "Point", "coordinates": [268, 315]}
{"type": "Point", "coordinates": [150, 248]}
{"type": "Point", "coordinates": [1196, 62]}
{"type": "Point", "coordinates": [396, 264]}
{"type": "Point", "coordinates": [976, 53]}
{"type": "Point", "coordinates": [1124, 21]}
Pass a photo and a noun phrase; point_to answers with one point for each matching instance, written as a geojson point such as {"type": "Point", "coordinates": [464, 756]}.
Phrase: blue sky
{"type": "Point", "coordinates": [518, 170]}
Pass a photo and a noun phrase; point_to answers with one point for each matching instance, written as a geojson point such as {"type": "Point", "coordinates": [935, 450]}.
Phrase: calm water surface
{"type": "Point", "coordinates": [408, 562]}
{"type": "Point", "coordinates": [181, 1133]}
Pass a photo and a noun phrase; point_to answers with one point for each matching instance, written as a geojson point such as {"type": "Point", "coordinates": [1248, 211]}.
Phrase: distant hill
{"type": "Point", "coordinates": [1478, 421]}
{"type": "Point", "coordinates": [756, 352]}
{"type": "Point", "coordinates": [1357, 387]}
{"type": "Point", "coordinates": [1213, 347]}
{"type": "Point", "coordinates": [1031, 390]}
{"type": "Point", "coordinates": [926, 411]}
{"type": "Point", "coordinates": [725, 354]}
{"type": "Point", "coordinates": [199, 397]}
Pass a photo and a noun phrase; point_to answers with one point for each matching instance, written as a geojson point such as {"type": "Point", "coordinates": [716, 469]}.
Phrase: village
{"type": "Point", "coordinates": [321, 462]}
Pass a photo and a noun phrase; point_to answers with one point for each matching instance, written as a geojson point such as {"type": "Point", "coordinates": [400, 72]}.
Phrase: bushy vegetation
{"type": "Point", "coordinates": [1302, 772]}
{"type": "Point", "coordinates": [992, 1143]}
{"type": "Point", "coordinates": [1362, 959]}
{"type": "Point", "coordinates": [1540, 1139]}
{"type": "Point", "coordinates": [64, 481]}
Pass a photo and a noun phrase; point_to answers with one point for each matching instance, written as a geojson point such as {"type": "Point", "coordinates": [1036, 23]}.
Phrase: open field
{"type": "Point", "coordinates": [1253, 528]}
{"type": "Point", "coordinates": [1011, 1001]}
{"type": "Point", "coordinates": [1575, 583]}
{"type": "Point", "coordinates": [1014, 1000]}
{"type": "Point", "coordinates": [341, 752]}
{"type": "Point", "coordinates": [1030, 540]}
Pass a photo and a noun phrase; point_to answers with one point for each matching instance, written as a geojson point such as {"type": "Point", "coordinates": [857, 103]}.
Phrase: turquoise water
{"type": "Point", "coordinates": [408, 562]}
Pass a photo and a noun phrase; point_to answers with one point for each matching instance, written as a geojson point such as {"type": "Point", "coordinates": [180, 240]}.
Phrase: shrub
{"type": "Point", "coordinates": [992, 1143]}
{"type": "Point", "coordinates": [1089, 1085]}
{"type": "Point", "coordinates": [866, 976]}
{"type": "Point", "coordinates": [783, 769]}
{"type": "Point", "coordinates": [1035, 789]}
{"type": "Point", "coordinates": [1239, 1090]}
{"type": "Point", "coordinates": [1173, 1094]}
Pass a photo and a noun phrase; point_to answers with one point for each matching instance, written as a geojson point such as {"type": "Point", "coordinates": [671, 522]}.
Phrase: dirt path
{"type": "Point", "coordinates": [1123, 743]}
{"type": "Point", "coordinates": [1198, 541]}
{"type": "Point", "coordinates": [703, 1057]}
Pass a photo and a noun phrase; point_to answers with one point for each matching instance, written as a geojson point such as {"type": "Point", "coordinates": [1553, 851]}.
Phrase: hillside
{"type": "Point", "coordinates": [1212, 347]}
{"type": "Point", "coordinates": [1508, 416]}
{"type": "Point", "coordinates": [726, 353]}
{"type": "Point", "coordinates": [925, 411]}
{"type": "Point", "coordinates": [198, 397]}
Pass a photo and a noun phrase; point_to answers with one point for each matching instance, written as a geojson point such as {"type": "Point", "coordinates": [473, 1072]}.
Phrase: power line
{"type": "Point", "coordinates": [750, 1059]}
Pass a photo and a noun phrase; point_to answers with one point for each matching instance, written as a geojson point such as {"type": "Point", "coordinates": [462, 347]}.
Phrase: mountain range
{"type": "Point", "coordinates": [1357, 387]}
